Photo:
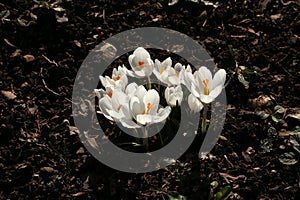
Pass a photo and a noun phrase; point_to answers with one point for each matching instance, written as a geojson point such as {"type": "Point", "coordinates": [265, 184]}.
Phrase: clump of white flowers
{"type": "Point", "coordinates": [135, 106]}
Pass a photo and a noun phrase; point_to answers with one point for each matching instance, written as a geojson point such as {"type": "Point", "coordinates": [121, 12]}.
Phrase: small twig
{"type": "Point", "coordinates": [45, 85]}
{"type": "Point", "coordinates": [228, 161]}
{"type": "Point", "coordinates": [52, 62]}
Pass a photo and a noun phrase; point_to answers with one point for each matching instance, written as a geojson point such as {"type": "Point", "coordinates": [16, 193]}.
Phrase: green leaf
{"type": "Point", "coordinates": [295, 139]}
{"type": "Point", "coordinates": [288, 158]}
{"type": "Point", "coordinates": [4, 14]}
{"type": "Point", "coordinates": [262, 114]}
{"type": "Point", "coordinates": [242, 80]}
{"type": "Point", "coordinates": [214, 184]}
{"type": "Point", "coordinates": [231, 51]}
{"type": "Point", "coordinates": [257, 70]}
{"type": "Point", "coordinates": [173, 195]}
{"type": "Point", "coordinates": [275, 119]}
{"type": "Point", "coordinates": [223, 193]}
{"type": "Point", "coordinates": [279, 109]}
{"type": "Point", "coordinates": [242, 68]}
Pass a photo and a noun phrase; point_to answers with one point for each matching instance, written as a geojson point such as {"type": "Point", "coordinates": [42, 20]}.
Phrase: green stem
{"type": "Point", "coordinates": [203, 125]}
{"type": "Point", "coordinates": [161, 140]}
{"type": "Point", "coordinates": [145, 138]}
{"type": "Point", "coordinates": [232, 75]}
{"type": "Point", "coordinates": [149, 83]}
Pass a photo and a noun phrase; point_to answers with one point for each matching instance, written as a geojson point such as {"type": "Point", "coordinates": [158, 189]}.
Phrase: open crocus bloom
{"type": "Point", "coordinates": [115, 108]}
{"type": "Point", "coordinates": [143, 106]}
{"type": "Point", "coordinates": [141, 63]}
{"type": "Point", "coordinates": [161, 69]}
{"type": "Point", "coordinates": [118, 79]}
{"type": "Point", "coordinates": [204, 86]}
{"type": "Point", "coordinates": [174, 95]}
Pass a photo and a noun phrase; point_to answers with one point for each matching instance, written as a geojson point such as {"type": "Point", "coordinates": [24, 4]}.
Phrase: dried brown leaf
{"type": "Point", "coordinates": [29, 58]}
{"type": "Point", "coordinates": [8, 94]}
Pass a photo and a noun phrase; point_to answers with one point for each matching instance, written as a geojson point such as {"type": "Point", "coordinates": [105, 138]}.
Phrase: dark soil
{"type": "Point", "coordinates": [42, 157]}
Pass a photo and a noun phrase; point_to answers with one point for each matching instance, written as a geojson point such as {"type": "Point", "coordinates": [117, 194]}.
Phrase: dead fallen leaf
{"type": "Point", "coordinates": [73, 130]}
{"type": "Point", "coordinates": [78, 194]}
{"type": "Point", "coordinates": [16, 53]}
{"type": "Point", "coordinates": [262, 100]}
{"type": "Point", "coordinates": [80, 150]}
{"type": "Point", "coordinates": [8, 94]}
{"type": "Point", "coordinates": [157, 18]}
{"type": "Point", "coordinates": [29, 58]}
{"type": "Point", "coordinates": [32, 110]}
{"type": "Point", "coordinates": [47, 169]}
{"type": "Point", "coordinates": [276, 16]}
{"type": "Point", "coordinates": [77, 43]}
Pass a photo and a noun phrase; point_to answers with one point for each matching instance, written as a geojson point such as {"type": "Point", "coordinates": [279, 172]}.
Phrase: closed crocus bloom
{"type": "Point", "coordinates": [181, 70]}
{"type": "Point", "coordinates": [205, 87]}
{"type": "Point", "coordinates": [174, 95]}
{"type": "Point", "coordinates": [194, 103]}
{"type": "Point", "coordinates": [141, 63]}
{"type": "Point", "coordinates": [161, 69]}
{"type": "Point", "coordinates": [105, 107]}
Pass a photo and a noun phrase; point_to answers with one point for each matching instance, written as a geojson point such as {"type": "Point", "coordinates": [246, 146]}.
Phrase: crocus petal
{"type": "Point", "coordinates": [119, 99]}
{"type": "Point", "coordinates": [195, 90]}
{"type": "Point", "coordinates": [194, 103]}
{"type": "Point", "coordinates": [162, 114]}
{"type": "Point", "coordinates": [167, 63]}
{"type": "Point", "coordinates": [99, 93]}
{"type": "Point", "coordinates": [173, 95]}
{"type": "Point", "coordinates": [204, 74]}
{"type": "Point", "coordinates": [127, 123]}
{"type": "Point", "coordinates": [130, 89]}
{"type": "Point", "coordinates": [136, 106]}
{"type": "Point", "coordinates": [188, 79]}
{"type": "Point", "coordinates": [140, 92]}
{"type": "Point", "coordinates": [105, 107]}
{"type": "Point", "coordinates": [219, 78]}
{"type": "Point", "coordinates": [144, 119]}
{"type": "Point", "coordinates": [206, 98]}
{"type": "Point", "coordinates": [215, 92]}
{"type": "Point", "coordinates": [151, 101]}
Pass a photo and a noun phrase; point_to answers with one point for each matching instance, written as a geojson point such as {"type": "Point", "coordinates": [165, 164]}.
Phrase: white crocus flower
{"type": "Point", "coordinates": [161, 69]}
{"type": "Point", "coordinates": [194, 103]}
{"type": "Point", "coordinates": [205, 87]}
{"type": "Point", "coordinates": [118, 79]}
{"type": "Point", "coordinates": [115, 108]}
{"type": "Point", "coordinates": [141, 63]}
{"type": "Point", "coordinates": [181, 70]}
{"type": "Point", "coordinates": [173, 77]}
{"type": "Point", "coordinates": [144, 109]}
{"type": "Point", "coordinates": [174, 95]}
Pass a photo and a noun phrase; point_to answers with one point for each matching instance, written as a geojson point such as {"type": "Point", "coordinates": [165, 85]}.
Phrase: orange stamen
{"type": "Point", "coordinates": [205, 82]}
{"type": "Point", "coordinates": [149, 106]}
{"type": "Point", "coordinates": [176, 75]}
{"type": "Point", "coordinates": [117, 78]}
{"type": "Point", "coordinates": [206, 89]}
{"type": "Point", "coordinates": [110, 93]}
{"type": "Point", "coordinates": [141, 64]}
{"type": "Point", "coordinates": [161, 70]}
